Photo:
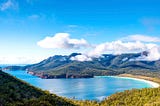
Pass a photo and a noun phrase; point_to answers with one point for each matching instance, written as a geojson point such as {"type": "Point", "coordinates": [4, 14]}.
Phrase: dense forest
{"type": "Point", "coordinates": [14, 92]}
{"type": "Point", "coordinates": [135, 97]}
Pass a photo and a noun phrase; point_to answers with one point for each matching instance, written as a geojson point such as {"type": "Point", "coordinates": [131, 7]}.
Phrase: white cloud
{"type": "Point", "coordinates": [153, 54]}
{"type": "Point", "coordinates": [131, 44]}
{"type": "Point", "coordinates": [81, 58]}
{"type": "Point", "coordinates": [143, 38]}
{"type": "Point", "coordinates": [62, 41]}
{"type": "Point", "coordinates": [8, 5]}
{"type": "Point", "coordinates": [116, 47]}
{"type": "Point", "coordinates": [119, 47]}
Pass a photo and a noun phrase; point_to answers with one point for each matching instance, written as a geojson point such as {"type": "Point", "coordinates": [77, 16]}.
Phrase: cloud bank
{"type": "Point", "coordinates": [153, 54]}
{"type": "Point", "coordinates": [119, 47]}
{"type": "Point", "coordinates": [62, 41]}
{"type": "Point", "coordinates": [82, 58]}
{"type": "Point", "coordinates": [143, 38]}
{"type": "Point", "coordinates": [131, 44]}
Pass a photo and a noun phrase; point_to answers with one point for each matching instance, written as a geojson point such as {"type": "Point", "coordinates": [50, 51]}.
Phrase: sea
{"type": "Point", "coordinates": [97, 88]}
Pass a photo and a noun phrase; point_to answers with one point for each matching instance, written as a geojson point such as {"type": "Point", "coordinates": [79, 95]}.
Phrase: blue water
{"type": "Point", "coordinates": [82, 89]}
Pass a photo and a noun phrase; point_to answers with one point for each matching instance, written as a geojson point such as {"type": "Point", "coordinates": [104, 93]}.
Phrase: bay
{"type": "Point", "coordinates": [84, 88]}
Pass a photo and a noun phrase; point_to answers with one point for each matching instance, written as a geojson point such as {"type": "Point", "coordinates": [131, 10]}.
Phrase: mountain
{"type": "Point", "coordinates": [59, 66]}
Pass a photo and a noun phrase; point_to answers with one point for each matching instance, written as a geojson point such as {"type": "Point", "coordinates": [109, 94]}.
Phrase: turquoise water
{"type": "Point", "coordinates": [91, 89]}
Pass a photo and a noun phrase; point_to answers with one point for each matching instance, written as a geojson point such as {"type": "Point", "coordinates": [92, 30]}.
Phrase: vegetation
{"type": "Point", "coordinates": [135, 97]}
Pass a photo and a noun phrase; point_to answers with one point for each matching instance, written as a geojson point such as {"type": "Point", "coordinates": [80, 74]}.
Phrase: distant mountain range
{"type": "Point", "coordinates": [60, 66]}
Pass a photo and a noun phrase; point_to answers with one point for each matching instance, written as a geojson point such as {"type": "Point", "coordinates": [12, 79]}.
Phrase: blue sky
{"type": "Point", "coordinates": [23, 23]}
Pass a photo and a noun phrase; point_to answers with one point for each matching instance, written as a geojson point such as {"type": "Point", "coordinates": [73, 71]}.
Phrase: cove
{"type": "Point", "coordinates": [96, 88]}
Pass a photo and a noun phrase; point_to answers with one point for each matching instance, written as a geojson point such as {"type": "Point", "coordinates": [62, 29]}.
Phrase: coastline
{"type": "Point", "coordinates": [154, 82]}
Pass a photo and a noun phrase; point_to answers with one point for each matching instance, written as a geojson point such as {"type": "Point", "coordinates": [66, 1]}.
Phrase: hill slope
{"type": "Point", "coordinates": [143, 97]}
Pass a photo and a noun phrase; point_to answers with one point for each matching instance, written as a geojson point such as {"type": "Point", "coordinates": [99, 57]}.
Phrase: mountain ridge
{"type": "Point", "coordinates": [59, 66]}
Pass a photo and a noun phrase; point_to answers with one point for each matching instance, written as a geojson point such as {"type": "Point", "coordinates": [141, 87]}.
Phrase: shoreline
{"type": "Point", "coordinates": [155, 83]}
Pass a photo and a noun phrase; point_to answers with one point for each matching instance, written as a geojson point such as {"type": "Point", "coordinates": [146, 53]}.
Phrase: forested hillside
{"type": "Point", "coordinates": [143, 97]}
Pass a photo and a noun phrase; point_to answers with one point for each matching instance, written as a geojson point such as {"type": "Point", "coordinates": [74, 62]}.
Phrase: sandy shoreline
{"type": "Point", "coordinates": [140, 78]}
{"type": "Point", "coordinates": [153, 84]}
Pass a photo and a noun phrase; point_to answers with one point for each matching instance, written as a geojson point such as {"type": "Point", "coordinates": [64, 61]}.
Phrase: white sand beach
{"type": "Point", "coordinates": [153, 84]}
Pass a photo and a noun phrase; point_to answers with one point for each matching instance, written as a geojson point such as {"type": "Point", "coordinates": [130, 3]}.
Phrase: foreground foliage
{"type": "Point", "coordinates": [135, 97]}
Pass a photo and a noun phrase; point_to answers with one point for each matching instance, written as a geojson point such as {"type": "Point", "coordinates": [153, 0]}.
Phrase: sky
{"type": "Point", "coordinates": [32, 30]}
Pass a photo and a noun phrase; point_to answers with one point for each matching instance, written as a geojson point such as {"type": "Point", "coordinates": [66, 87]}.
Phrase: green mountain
{"type": "Point", "coordinates": [63, 67]}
